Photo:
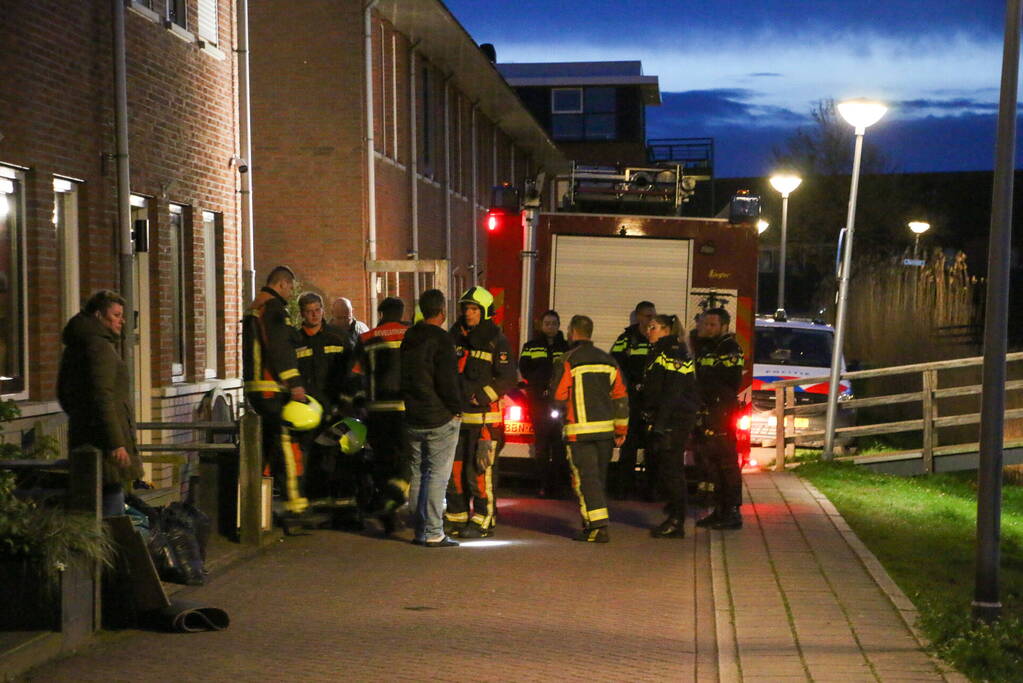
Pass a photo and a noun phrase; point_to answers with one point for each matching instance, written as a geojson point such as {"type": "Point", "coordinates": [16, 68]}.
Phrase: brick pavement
{"type": "Point", "coordinates": [785, 598]}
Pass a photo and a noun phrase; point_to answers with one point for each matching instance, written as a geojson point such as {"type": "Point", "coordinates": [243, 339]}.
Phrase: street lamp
{"type": "Point", "coordinates": [761, 226]}
{"type": "Point", "coordinates": [860, 114]}
{"type": "Point", "coordinates": [918, 228]}
{"type": "Point", "coordinates": [785, 183]}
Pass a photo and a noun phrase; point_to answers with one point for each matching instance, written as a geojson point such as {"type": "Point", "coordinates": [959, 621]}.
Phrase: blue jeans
{"type": "Point", "coordinates": [432, 452]}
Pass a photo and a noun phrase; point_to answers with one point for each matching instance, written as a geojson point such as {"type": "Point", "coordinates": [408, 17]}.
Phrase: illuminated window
{"type": "Point", "coordinates": [209, 234]}
{"type": "Point", "coordinates": [177, 289]}
{"type": "Point", "coordinates": [12, 273]}
{"type": "Point", "coordinates": [65, 224]}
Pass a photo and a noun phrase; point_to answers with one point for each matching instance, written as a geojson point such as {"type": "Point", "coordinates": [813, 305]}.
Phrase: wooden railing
{"type": "Point", "coordinates": [785, 408]}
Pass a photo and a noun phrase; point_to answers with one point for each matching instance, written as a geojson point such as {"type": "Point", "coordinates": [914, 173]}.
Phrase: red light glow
{"type": "Point", "coordinates": [513, 414]}
{"type": "Point", "coordinates": [744, 423]}
{"type": "Point", "coordinates": [493, 221]}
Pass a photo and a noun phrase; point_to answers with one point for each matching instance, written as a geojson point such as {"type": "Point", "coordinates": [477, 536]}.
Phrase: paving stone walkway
{"type": "Point", "coordinates": [786, 598]}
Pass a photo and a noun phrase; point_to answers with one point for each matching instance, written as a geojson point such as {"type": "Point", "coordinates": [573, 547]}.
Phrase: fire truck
{"type": "Point", "coordinates": [601, 265]}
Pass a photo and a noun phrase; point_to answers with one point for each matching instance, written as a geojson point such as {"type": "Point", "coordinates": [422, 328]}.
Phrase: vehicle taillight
{"type": "Point", "coordinates": [513, 413]}
{"type": "Point", "coordinates": [744, 423]}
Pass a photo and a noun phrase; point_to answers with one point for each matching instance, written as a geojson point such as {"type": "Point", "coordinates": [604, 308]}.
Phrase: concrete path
{"type": "Point", "coordinates": [786, 598]}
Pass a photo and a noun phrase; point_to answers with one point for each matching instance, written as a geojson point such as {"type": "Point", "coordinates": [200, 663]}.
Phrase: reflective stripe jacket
{"type": "Point", "coordinates": [268, 353]}
{"type": "Point", "coordinates": [485, 370]}
{"type": "Point", "coordinates": [537, 361]}
{"type": "Point", "coordinates": [323, 363]}
{"type": "Point", "coordinates": [669, 396]}
{"type": "Point", "coordinates": [378, 361]}
{"type": "Point", "coordinates": [589, 383]}
{"type": "Point", "coordinates": [631, 351]}
{"type": "Point", "coordinates": [719, 366]}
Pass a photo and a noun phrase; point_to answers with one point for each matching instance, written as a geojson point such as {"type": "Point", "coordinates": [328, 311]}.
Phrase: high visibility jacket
{"type": "Point", "coordinates": [323, 363]}
{"type": "Point", "coordinates": [719, 365]}
{"type": "Point", "coordinates": [485, 370]}
{"type": "Point", "coordinates": [537, 361]}
{"type": "Point", "coordinates": [669, 395]}
{"type": "Point", "coordinates": [269, 365]}
{"type": "Point", "coordinates": [378, 360]}
{"type": "Point", "coordinates": [631, 351]}
{"type": "Point", "coordinates": [589, 383]}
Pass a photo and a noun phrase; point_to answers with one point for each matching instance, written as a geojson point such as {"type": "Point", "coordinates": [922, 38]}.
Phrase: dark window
{"type": "Point", "coordinates": [791, 346]}
{"type": "Point", "coordinates": [566, 100]}
{"type": "Point", "coordinates": [597, 120]}
{"type": "Point", "coordinates": [177, 286]}
{"type": "Point", "coordinates": [12, 319]}
{"type": "Point", "coordinates": [176, 13]}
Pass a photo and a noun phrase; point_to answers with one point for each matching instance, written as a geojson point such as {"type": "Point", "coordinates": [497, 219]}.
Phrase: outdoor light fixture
{"type": "Point", "coordinates": [860, 114]}
{"type": "Point", "coordinates": [762, 225]}
{"type": "Point", "coordinates": [918, 228]}
{"type": "Point", "coordinates": [784, 183]}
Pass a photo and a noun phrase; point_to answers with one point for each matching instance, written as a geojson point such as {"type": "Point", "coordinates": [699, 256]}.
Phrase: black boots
{"type": "Point", "coordinates": [708, 520]}
{"type": "Point", "coordinates": [730, 518]}
{"type": "Point", "coordinates": [670, 528]}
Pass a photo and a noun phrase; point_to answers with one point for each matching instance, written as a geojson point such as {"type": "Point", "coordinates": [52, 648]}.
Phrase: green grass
{"type": "Point", "coordinates": [923, 530]}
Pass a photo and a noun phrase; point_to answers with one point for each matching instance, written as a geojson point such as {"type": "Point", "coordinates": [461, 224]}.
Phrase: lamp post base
{"type": "Point", "coordinates": [988, 612]}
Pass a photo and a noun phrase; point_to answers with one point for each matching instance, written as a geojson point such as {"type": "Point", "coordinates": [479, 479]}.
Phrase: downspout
{"type": "Point", "coordinates": [473, 209]}
{"type": "Point", "coordinates": [414, 167]}
{"type": "Point", "coordinates": [371, 169]}
{"type": "Point", "coordinates": [126, 250]}
{"type": "Point", "coordinates": [447, 191]}
{"type": "Point", "coordinates": [245, 151]}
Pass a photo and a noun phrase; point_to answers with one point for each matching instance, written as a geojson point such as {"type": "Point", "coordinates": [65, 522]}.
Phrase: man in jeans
{"type": "Point", "coordinates": [430, 390]}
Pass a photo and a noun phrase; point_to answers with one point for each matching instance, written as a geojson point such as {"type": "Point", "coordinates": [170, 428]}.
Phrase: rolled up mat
{"type": "Point", "coordinates": [182, 616]}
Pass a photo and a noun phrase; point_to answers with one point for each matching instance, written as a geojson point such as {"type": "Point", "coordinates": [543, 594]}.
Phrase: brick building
{"type": "Point", "coordinates": [58, 193]}
{"type": "Point", "coordinates": [445, 129]}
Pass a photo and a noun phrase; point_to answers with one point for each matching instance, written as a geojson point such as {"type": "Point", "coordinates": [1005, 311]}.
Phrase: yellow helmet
{"type": "Point", "coordinates": [303, 416]}
{"type": "Point", "coordinates": [479, 296]}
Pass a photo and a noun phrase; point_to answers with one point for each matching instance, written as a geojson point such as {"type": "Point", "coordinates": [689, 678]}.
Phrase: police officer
{"type": "Point", "coordinates": [630, 351]}
{"type": "Point", "coordinates": [670, 404]}
{"type": "Point", "coordinates": [719, 365]}
{"type": "Point", "coordinates": [536, 365]}
{"type": "Point", "coordinates": [272, 380]}
{"type": "Point", "coordinates": [378, 360]}
{"type": "Point", "coordinates": [589, 385]}
{"type": "Point", "coordinates": [486, 373]}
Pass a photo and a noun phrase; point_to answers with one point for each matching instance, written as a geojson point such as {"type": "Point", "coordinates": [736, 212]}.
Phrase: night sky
{"type": "Point", "coordinates": [747, 72]}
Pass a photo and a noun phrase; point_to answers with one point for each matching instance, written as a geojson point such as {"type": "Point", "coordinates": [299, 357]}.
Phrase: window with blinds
{"type": "Point", "coordinates": [208, 26]}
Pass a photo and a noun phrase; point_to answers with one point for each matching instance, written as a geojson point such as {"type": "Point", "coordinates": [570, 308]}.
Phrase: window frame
{"type": "Point", "coordinates": [202, 7]}
{"type": "Point", "coordinates": [66, 196]}
{"type": "Point", "coordinates": [177, 242]}
{"type": "Point", "coordinates": [171, 11]}
{"type": "Point", "coordinates": [554, 96]}
{"type": "Point", "coordinates": [14, 177]}
{"type": "Point", "coordinates": [210, 221]}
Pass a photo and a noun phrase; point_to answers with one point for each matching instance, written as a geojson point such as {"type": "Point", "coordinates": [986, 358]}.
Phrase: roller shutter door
{"type": "Point", "coordinates": [604, 278]}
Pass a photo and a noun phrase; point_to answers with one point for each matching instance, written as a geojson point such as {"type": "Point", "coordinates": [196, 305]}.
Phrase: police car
{"type": "Point", "coordinates": [789, 349]}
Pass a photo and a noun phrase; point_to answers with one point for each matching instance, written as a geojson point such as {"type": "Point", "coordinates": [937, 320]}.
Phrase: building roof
{"type": "Point", "coordinates": [562, 74]}
{"type": "Point", "coordinates": [438, 36]}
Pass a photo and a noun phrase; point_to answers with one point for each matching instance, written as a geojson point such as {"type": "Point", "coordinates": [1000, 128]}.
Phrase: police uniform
{"type": "Point", "coordinates": [589, 384]}
{"type": "Point", "coordinates": [631, 351]}
{"type": "Point", "coordinates": [270, 372]}
{"type": "Point", "coordinates": [486, 373]}
{"type": "Point", "coordinates": [669, 403]}
{"type": "Point", "coordinates": [536, 365]}
{"type": "Point", "coordinates": [719, 366]}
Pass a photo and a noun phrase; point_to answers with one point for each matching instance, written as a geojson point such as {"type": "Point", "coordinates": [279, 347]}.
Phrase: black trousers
{"type": "Point", "coordinates": [548, 448]}
{"type": "Point", "coordinates": [665, 456]}
{"type": "Point", "coordinates": [470, 487]}
{"type": "Point", "coordinates": [721, 458]}
{"type": "Point", "coordinates": [588, 462]}
{"type": "Point", "coordinates": [625, 473]}
{"type": "Point", "coordinates": [281, 452]}
{"type": "Point", "coordinates": [391, 457]}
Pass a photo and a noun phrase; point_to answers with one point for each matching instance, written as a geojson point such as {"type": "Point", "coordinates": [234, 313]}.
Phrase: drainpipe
{"type": "Point", "coordinates": [447, 191]}
{"type": "Point", "coordinates": [413, 169]}
{"type": "Point", "coordinates": [126, 251]}
{"type": "Point", "coordinates": [245, 151]}
{"type": "Point", "coordinates": [371, 169]}
{"type": "Point", "coordinates": [472, 210]}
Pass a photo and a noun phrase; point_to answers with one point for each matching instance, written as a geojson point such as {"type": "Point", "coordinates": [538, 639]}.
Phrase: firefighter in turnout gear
{"type": "Point", "coordinates": [588, 384]}
{"type": "Point", "coordinates": [537, 360]}
{"type": "Point", "coordinates": [486, 373]}
{"type": "Point", "coordinates": [719, 366]}
{"type": "Point", "coordinates": [631, 351]}
{"type": "Point", "coordinates": [670, 404]}
{"type": "Point", "coordinates": [272, 379]}
{"type": "Point", "coordinates": [378, 361]}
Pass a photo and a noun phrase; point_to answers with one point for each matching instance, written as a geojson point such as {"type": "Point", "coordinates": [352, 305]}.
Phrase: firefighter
{"type": "Point", "coordinates": [536, 365]}
{"type": "Point", "coordinates": [323, 363]}
{"type": "Point", "coordinates": [486, 373]}
{"type": "Point", "coordinates": [588, 385]}
{"type": "Point", "coordinates": [719, 366]}
{"type": "Point", "coordinates": [378, 360]}
{"type": "Point", "coordinates": [670, 404]}
{"type": "Point", "coordinates": [273, 382]}
{"type": "Point", "coordinates": [630, 351]}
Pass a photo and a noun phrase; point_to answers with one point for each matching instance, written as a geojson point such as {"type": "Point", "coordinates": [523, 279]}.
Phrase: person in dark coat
{"type": "Point", "coordinates": [92, 387]}
{"type": "Point", "coordinates": [536, 365]}
{"type": "Point", "coordinates": [631, 351]}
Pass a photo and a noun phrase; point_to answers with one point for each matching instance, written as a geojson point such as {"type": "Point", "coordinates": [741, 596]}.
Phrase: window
{"type": "Point", "coordinates": [209, 240]}
{"type": "Point", "coordinates": [208, 24]}
{"type": "Point", "coordinates": [177, 290]}
{"type": "Point", "coordinates": [176, 13]}
{"type": "Point", "coordinates": [427, 120]}
{"type": "Point", "coordinates": [12, 272]}
{"type": "Point", "coordinates": [793, 346]}
{"type": "Point", "coordinates": [583, 114]}
{"type": "Point", "coordinates": [65, 224]}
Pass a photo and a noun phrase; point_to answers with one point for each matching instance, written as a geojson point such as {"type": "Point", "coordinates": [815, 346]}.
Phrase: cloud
{"type": "Point", "coordinates": [958, 105]}
{"type": "Point", "coordinates": [765, 74]}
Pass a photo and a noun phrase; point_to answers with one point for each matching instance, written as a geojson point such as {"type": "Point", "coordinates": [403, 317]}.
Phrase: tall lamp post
{"type": "Point", "coordinates": [785, 183]}
{"type": "Point", "coordinates": [918, 228]}
{"type": "Point", "coordinates": [860, 114]}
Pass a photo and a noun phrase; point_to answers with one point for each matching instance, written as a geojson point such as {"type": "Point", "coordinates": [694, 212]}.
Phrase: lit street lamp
{"type": "Point", "coordinates": [860, 114]}
{"type": "Point", "coordinates": [918, 228]}
{"type": "Point", "coordinates": [761, 226]}
{"type": "Point", "coordinates": [785, 183]}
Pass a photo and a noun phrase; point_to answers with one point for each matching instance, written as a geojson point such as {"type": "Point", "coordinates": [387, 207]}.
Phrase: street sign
{"type": "Point", "coordinates": [916, 262]}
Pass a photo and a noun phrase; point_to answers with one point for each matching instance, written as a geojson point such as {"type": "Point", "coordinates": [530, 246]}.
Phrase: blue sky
{"type": "Point", "coordinates": [747, 72]}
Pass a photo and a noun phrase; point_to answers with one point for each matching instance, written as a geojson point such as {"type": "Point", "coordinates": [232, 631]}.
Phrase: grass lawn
{"type": "Point", "coordinates": [923, 530]}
